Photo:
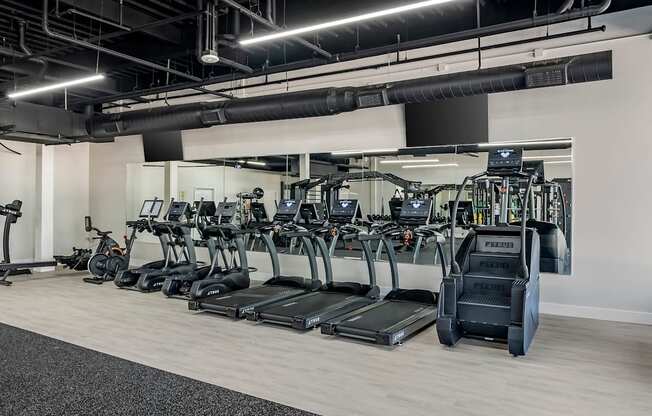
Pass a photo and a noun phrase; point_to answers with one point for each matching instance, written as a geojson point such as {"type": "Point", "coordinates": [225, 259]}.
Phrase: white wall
{"type": "Point", "coordinates": [71, 196]}
{"type": "Point", "coordinates": [18, 181]}
{"type": "Point", "coordinates": [608, 119]}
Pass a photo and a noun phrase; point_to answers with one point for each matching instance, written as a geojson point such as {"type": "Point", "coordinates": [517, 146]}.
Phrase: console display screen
{"type": "Point", "coordinates": [151, 208]}
{"type": "Point", "coordinates": [288, 207]}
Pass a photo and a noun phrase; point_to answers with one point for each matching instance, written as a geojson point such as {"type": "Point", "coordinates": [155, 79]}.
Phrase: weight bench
{"type": "Point", "coordinates": [12, 269]}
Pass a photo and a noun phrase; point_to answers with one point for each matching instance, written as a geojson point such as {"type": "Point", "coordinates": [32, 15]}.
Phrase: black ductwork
{"type": "Point", "coordinates": [331, 101]}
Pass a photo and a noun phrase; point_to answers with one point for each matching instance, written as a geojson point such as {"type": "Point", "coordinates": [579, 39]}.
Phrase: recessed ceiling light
{"type": "Point", "coordinates": [345, 21]}
{"type": "Point", "coordinates": [57, 86]}
{"type": "Point", "coordinates": [404, 161]}
{"type": "Point", "coordinates": [442, 165]}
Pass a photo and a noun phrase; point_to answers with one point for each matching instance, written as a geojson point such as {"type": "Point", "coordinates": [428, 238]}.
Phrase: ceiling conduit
{"type": "Point", "coordinates": [331, 101]}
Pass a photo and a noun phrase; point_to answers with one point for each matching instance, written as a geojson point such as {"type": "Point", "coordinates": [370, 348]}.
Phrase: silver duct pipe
{"type": "Point", "coordinates": [331, 101]}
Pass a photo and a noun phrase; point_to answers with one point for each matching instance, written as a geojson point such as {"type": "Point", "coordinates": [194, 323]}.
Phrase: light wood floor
{"type": "Point", "coordinates": [575, 366]}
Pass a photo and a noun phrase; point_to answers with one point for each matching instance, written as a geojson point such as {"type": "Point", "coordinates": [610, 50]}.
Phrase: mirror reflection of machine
{"type": "Point", "coordinates": [251, 209]}
{"type": "Point", "coordinates": [344, 212]}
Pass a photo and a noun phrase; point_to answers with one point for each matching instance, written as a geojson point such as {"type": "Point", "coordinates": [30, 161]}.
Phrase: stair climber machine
{"type": "Point", "coordinates": [12, 212]}
{"type": "Point", "coordinates": [333, 299]}
{"type": "Point", "coordinates": [402, 312]}
{"type": "Point", "coordinates": [174, 232]}
{"type": "Point", "coordinates": [109, 258]}
{"type": "Point", "coordinates": [492, 292]}
{"type": "Point", "coordinates": [222, 237]}
{"type": "Point", "coordinates": [277, 289]}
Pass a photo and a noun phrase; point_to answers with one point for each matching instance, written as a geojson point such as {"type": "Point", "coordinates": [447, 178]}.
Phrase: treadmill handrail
{"type": "Point", "coordinates": [273, 253]}
{"type": "Point", "coordinates": [392, 259]}
{"type": "Point", "coordinates": [312, 258]}
{"type": "Point", "coordinates": [369, 258]}
{"type": "Point", "coordinates": [455, 268]}
{"type": "Point", "coordinates": [326, 258]}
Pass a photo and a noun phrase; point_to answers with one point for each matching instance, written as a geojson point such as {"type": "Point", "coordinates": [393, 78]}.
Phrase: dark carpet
{"type": "Point", "coordinates": [43, 376]}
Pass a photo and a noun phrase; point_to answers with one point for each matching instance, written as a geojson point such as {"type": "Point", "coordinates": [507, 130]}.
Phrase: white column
{"type": "Point", "coordinates": [44, 229]}
{"type": "Point", "coordinates": [172, 181]}
{"type": "Point", "coordinates": [304, 166]}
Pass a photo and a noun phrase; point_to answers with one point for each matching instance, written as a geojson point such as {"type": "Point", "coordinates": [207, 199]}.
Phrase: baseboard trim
{"type": "Point", "coordinates": [603, 314]}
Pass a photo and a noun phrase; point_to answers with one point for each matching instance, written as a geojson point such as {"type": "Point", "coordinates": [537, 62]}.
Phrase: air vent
{"type": "Point", "coordinates": [546, 76]}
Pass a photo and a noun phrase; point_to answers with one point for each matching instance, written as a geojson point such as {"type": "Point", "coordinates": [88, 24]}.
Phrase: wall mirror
{"type": "Point", "coordinates": [410, 189]}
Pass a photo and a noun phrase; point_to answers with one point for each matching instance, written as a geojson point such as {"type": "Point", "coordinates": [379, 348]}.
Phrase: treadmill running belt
{"type": "Point", "coordinates": [42, 376]}
{"type": "Point", "coordinates": [249, 296]}
{"type": "Point", "coordinates": [383, 316]}
{"type": "Point", "coordinates": [306, 305]}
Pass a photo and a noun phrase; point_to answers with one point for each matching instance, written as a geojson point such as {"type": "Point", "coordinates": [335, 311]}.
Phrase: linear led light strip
{"type": "Point", "coordinates": [363, 152]}
{"type": "Point", "coordinates": [559, 162]}
{"type": "Point", "coordinates": [442, 165]}
{"type": "Point", "coordinates": [526, 143]}
{"type": "Point", "coordinates": [546, 157]}
{"type": "Point", "coordinates": [408, 161]}
{"type": "Point", "coordinates": [57, 86]}
{"type": "Point", "coordinates": [345, 21]}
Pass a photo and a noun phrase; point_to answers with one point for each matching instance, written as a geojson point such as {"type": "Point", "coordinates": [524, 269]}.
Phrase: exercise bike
{"type": "Point", "coordinates": [109, 257]}
{"type": "Point", "coordinates": [80, 257]}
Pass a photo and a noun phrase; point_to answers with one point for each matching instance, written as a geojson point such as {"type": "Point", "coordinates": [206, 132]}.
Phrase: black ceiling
{"type": "Point", "coordinates": [148, 39]}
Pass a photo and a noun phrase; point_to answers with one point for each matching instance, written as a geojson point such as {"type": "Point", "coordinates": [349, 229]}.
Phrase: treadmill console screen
{"type": "Point", "coordinates": [178, 210]}
{"type": "Point", "coordinates": [345, 211]}
{"type": "Point", "coordinates": [416, 211]}
{"type": "Point", "coordinates": [504, 161]}
{"type": "Point", "coordinates": [151, 208]}
{"type": "Point", "coordinates": [288, 207]}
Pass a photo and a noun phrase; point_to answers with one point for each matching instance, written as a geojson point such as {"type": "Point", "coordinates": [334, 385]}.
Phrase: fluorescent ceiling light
{"type": "Point", "coordinates": [345, 21]}
{"type": "Point", "coordinates": [546, 157]}
{"type": "Point", "coordinates": [443, 165]}
{"type": "Point", "coordinates": [402, 161]}
{"type": "Point", "coordinates": [360, 152]}
{"type": "Point", "coordinates": [559, 162]}
{"type": "Point", "coordinates": [526, 143]}
{"type": "Point", "coordinates": [56, 86]}
{"type": "Point", "coordinates": [256, 163]}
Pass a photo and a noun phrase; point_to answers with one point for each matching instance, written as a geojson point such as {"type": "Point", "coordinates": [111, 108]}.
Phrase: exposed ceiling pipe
{"type": "Point", "coordinates": [271, 11]}
{"type": "Point", "coordinates": [56, 35]}
{"type": "Point", "coordinates": [331, 101]}
{"type": "Point", "coordinates": [566, 6]}
{"type": "Point", "coordinates": [28, 52]}
{"type": "Point", "coordinates": [207, 42]}
{"type": "Point", "coordinates": [263, 21]}
{"type": "Point", "coordinates": [523, 24]}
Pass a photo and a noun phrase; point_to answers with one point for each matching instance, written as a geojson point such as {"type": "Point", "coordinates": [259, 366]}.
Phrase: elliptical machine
{"type": "Point", "coordinates": [492, 292]}
{"type": "Point", "coordinates": [222, 235]}
{"type": "Point", "coordinates": [109, 258]}
{"type": "Point", "coordinates": [172, 232]}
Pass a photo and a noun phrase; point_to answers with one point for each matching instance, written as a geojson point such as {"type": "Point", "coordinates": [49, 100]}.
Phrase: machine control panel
{"type": "Point", "coordinates": [505, 161]}
{"type": "Point", "coordinates": [178, 210]}
{"type": "Point", "coordinates": [416, 211]}
{"type": "Point", "coordinates": [288, 210]}
{"type": "Point", "coordinates": [225, 211]}
{"type": "Point", "coordinates": [151, 208]}
{"type": "Point", "coordinates": [345, 211]}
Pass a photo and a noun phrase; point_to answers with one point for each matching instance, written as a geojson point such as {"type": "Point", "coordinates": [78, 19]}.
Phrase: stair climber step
{"type": "Point", "coordinates": [499, 244]}
{"type": "Point", "coordinates": [484, 308]}
{"type": "Point", "coordinates": [496, 264]}
{"type": "Point", "coordinates": [488, 284]}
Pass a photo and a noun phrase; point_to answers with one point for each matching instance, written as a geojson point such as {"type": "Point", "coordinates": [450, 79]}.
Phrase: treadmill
{"type": "Point", "coordinates": [279, 288]}
{"type": "Point", "coordinates": [334, 299]}
{"type": "Point", "coordinates": [401, 314]}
